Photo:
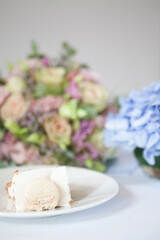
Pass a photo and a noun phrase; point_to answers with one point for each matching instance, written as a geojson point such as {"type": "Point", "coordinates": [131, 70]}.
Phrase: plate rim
{"type": "Point", "coordinates": [45, 214]}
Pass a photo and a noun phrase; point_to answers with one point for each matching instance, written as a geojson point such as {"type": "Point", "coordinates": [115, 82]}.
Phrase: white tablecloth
{"type": "Point", "coordinates": [134, 214]}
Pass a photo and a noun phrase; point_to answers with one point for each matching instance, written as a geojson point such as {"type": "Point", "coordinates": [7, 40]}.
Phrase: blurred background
{"type": "Point", "coordinates": [118, 38]}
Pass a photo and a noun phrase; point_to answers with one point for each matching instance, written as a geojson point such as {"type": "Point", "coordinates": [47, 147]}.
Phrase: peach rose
{"type": "Point", "coordinates": [14, 107]}
{"type": "Point", "coordinates": [58, 129]}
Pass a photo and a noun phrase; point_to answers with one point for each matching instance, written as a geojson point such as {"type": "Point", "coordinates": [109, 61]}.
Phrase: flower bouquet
{"type": "Point", "coordinates": [137, 126]}
{"type": "Point", "coordinates": [52, 111]}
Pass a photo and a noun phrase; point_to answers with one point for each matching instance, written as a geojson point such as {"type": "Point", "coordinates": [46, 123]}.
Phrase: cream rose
{"type": "Point", "coordinates": [96, 138]}
{"type": "Point", "coordinates": [14, 107]}
{"type": "Point", "coordinates": [15, 84]}
{"type": "Point", "coordinates": [58, 129]}
{"type": "Point", "coordinates": [93, 94]}
{"type": "Point", "coordinates": [50, 75]}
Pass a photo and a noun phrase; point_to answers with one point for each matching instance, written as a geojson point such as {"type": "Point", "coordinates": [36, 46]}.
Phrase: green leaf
{"type": "Point", "coordinates": [100, 167]}
{"type": "Point", "coordinates": [3, 164]}
{"type": "Point", "coordinates": [34, 47]}
{"type": "Point", "coordinates": [23, 133]}
{"type": "Point", "coordinates": [70, 51]}
{"type": "Point", "coordinates": [23, 66]}
{"type": "Point", "coordinates": [40, 90]}
{"type": "Point", "coordinates": [81, 113]}
{"type": "Point", "coordinates": [35, 51]}
{"type": "Point", "coordinates": [10, 66]}
{"type": "Point", "coordinates": [68, 154]}
{"type": "Point", "coordinates": [69, 109]}
{"type": "Point", "coordinates": [139, 155]}
{"type": "Point", "coordinates": [89, 163]}
{"type": "Point", "coordinates": [117, 104]}
{"type": "Point", "coordinates": [91, 111]}
{"type": "Point", "coordinates": [83, 65]}
{"type": "Point", "coordinates": [76, 124]}
{"type": "Point", "coordinates": [1, 78]}
{"type": "Point", "coordinates": [95, 165]}
{"type": "Point", "coordinates": [55, 90]}
{"type": "Point", "coordinates": [15, 128]}
{"type": "Point", "coordinates": [35, 138]}
{"type": "Point", "coordinates": [1, 134]}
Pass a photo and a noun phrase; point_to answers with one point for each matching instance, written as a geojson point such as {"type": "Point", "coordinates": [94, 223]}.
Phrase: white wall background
{"type": "Point", "coordinates": [118, 38]}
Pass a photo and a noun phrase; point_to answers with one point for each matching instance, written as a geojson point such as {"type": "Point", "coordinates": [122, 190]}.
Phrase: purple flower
{"type": "Point", "coordinates": [78, 139]}
{"type": "Point", "coordinates": [86, 127]}
{"type": "Point", "coordinates": [46, 61]}
{"type": "Point", "coordinates": [91, 151]}
{"type": "Point", "coordinates": [9, 139]}
{"type": "Point", "coordinates": [138, 123]}
{"type": "Point", "coordinates": [72, 90]}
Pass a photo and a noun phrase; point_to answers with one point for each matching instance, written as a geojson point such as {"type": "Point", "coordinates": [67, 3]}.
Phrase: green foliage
{"type": "Point", "coordinates": [117, 104]}
{"type": "Point", "coordinates": [4, 164]}
{"type": "Point", "coordinates": [34, 47]}
{"type": "Point", "coordinates": [42, 89]}
{"type": "Point", "coordinates": [84, 65]}
{"type": "Point", "coordinates": [23, 133]}
{"type": "Point", "coordinates": [65, 157]}
{"type": "Point", "coordinates": [35, 138]}
{"type": "Point", "coordinates": [1, 134]}
{"type": "Point", "coordinates": [91, 111]}
{"type": "Point", "coordinates": [35, 51]}
{"type": "Point", "coordinates": [1, 78]}
{"type": "Point", "coordinates": [95, 165]}
{"type": "Point", "coordinates": [71, 110]}
{"type": "Point", "coordinates": [15, 128]}
{"type": "Point", "coordinates": [68, 49]}
{"type": "Point", "coordinates": [10, 66]}
{"type": "Point", "coordinates": [139, 155]}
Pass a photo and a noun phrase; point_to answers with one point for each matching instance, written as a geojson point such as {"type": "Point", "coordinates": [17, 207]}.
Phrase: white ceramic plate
{"type": "Point", "coordinates": [88, 189]}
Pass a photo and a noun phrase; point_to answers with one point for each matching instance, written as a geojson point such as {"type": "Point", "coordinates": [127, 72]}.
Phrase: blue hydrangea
{"type": "Point", "coordinates": [138, 123]}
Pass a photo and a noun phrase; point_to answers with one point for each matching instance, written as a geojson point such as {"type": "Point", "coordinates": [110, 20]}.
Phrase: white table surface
{"type": "Point", "coordinates": [134, 214]}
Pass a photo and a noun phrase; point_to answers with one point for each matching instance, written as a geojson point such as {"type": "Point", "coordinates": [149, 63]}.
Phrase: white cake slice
{"type": "Point", "coordinates": [40, 189]}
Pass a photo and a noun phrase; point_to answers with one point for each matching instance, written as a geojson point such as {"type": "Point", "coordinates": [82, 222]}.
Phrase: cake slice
{"type": "Point", "coordinates": [40, 189]}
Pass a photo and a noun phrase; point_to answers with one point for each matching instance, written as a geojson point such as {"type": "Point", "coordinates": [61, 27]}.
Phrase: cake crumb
{"type": "Point", "coordinates": [70, 202]}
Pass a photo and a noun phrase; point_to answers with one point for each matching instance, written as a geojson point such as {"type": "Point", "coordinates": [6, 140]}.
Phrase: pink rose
{"type": "Point", "coordinates": [3, 95]}
{"type": "Point", "coordinates": [32, 154]}
{"type": "Point", "coordinates": [18, 153]}
{"type": "Point", "coordinates": [90, 75]}
{"type": "Point", "coordinates": [86, 74]}
{"type": "Point", "coordinates": [4, 150]}
{"type": "Point", "coordinates": [46, 104]}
